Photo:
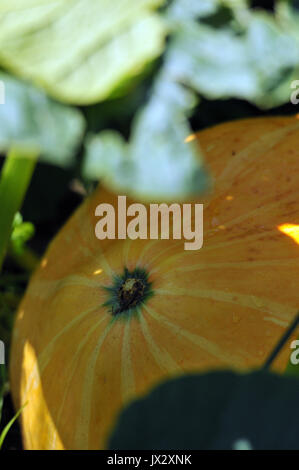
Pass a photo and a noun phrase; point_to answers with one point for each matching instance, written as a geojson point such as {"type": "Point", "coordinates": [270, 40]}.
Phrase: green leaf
{"type": "Point", "coordinates": [254, 60]}
{"type": "Point", "coordinates": [185, 9]}
{"type": "Point", "coordinates": [157, 163]}
{"type": "Point", "coordinates": [288, 17]}
{"type": "Point", "coordinates": [219, 410]}
{"type": "Point", "coordinates": [79, 51]}
{"type": "Point", "coordinates": [29, 119]}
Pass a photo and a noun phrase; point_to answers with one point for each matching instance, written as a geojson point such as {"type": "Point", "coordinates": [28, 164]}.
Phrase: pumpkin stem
{"type": "Point", "coordinates": [128, 291]}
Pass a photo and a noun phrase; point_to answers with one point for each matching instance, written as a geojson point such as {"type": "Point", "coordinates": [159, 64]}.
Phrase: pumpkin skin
{"type": "Point", "coordinates": [223, 306]}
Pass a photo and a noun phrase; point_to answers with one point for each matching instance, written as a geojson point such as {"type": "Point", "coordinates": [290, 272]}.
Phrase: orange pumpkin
{"type": "Point", "coordinates": [77, 361]}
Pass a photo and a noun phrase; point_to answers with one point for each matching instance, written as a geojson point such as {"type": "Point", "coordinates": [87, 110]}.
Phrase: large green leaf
{"type": "Point", "coordinates": [288, 17]}
{"type": "Point", "coordinates": [219, 410]}
{"type": "Point", "coordinates": [254, 59]}
{"type": "Point", "coordinates": [29, 119]}
{"type": "Point", "coordinates": [79, 50]}
{"type": "Point", "coordinates": [157, 163]}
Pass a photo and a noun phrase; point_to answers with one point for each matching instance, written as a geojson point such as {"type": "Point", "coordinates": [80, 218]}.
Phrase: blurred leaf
{"type": "Point", "coordinates": [156, 164]}
{"type": "Point", "coordinates": [213, 62]}
{"type": "Point", "coordinates": [252, 56]}
{"type": "Point", "coordinates": [288, 17]}
{"type": "Point", "coordinates": [256, 60]}
{"type": "Point", "coordinates": [29, 119]}
{"type": "Point", "coordinates": [79, 51]}
{"type": "Point", "coordinates": [184, 9]}
{"type": "Point", "coordinates": [219, 410]}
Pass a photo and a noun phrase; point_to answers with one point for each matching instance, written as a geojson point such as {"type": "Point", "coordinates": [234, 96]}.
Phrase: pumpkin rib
{"type": "Point", "coordinates": [73, 366]}
{"type": "Point", "coordinates": [44, 356]}
{"type": "Point", "coordinates": [253, 212]}
{"type": "Point", "coordinates": [231, 297]}
{"type": "Point", "coordinates": [163, 359]}
{"type": "Point", "coordinates": [127, 376]}
{"type": "Point", "coordinates": [241, 264]}
{"type": "Point", "coordinates": [267, 142]}
{"type": "Point", "coordinates": [83, 420]}
{"type": "Point", "coordinates": [200, 341]}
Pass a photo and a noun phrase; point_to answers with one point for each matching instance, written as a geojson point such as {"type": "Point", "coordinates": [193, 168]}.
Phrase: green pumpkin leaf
{"type": "Point", "coordinates": [254, 59]}
{"type": "Point", "coordinates": [79, 51]}
{"type": "Point", "coordinates": [218, 410]}
{"type": "Point", "coordinates": [29, 119]}
{"type": "Point", "coordinates": [185, 9]}
{"type": "Point", "coordinates": [157, 163]}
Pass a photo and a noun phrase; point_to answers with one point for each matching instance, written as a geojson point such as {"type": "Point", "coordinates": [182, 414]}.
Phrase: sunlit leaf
{"type": "Point", "coordinates": [29, 119]}
{"type": "Point", "coordinates": [79, 51]}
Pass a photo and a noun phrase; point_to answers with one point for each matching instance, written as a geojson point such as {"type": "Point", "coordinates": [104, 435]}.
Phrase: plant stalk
{"type": "Point", "coordinates": [15, 178]}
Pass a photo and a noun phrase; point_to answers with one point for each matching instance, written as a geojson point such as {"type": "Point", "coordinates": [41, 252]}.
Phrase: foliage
{"type": "Point", "coordinates": [251, 55]}
{"type": "Point", "coordinates": [83, 56]}
{"type": "Point", "coordinates": [31, 120]}
{"type": "Point", "coordinates": [218, 410]}
{"type": "Point", "coordinates": [161, 128]}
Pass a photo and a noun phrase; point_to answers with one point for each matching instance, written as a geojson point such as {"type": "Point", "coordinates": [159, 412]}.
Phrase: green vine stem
{"type": "Point", "coordinates": [15, 178]}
